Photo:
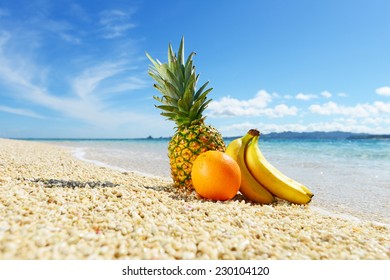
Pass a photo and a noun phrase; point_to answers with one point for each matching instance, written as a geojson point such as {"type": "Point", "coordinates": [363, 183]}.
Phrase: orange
{"type": "Point", "coordinates": [215, 175]}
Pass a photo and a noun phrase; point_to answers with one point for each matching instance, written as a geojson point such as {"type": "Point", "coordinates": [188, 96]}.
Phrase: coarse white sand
{"type": "Point", "coordinates": [53, 206]}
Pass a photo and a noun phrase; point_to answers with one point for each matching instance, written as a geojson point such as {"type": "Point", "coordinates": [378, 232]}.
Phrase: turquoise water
{"type": "Point", "coordinates": [348, 177]}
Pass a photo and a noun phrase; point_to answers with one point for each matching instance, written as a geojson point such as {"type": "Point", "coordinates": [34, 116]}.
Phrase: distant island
{"type": "Point", "coordinates": [371, 136]}
{"type": "Point", "coordinates": [332, 135]}
{"type": "Point", "coordinates": [336, 135]}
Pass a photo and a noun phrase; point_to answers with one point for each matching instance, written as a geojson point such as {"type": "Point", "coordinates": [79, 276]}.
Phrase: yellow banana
{"type": "Point", "coordinates": [233, 148]}
{"type": "Point", "coordinates": [272, 179]}
{"type": "Point", "coordinates": [304, 188]}
{"type": "Point", "coordinates": [250, 187]}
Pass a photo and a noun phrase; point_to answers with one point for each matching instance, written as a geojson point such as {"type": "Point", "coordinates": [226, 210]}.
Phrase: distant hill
{"type": "Point", "coordinates": [370, 136]}
{"type": "Point", "coordinates": [312, 135]}
{"type": "Point", "coordinates": [337, 135]}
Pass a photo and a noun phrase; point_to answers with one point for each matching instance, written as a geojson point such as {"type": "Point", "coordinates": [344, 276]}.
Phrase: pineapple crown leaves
{"type": "Point", "coordinates": [180, 102]}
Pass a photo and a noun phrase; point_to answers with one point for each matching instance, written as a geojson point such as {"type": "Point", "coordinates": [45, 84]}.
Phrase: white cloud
{"type": "Point", "coordinates": [326, 94]}
{"type": "Point", "coordinates": [283, 110]}
{"type": "Point", "coordinates": [382, 107]}
{"type": "Point", "coordinates": [360, 118]}
{"type": "Point", "coordinates": [125, 85]}
{"type": "Point", "coordinates": [359, 110]}
{"type": "Point", "coordinates": [377, 121]}
{"type": "Point", "coordinates": [4, 37]}
{"type": "Point", "coordinates": [257, 106]}
{"type": "Point", "coordinates": [42, 26]}
{"type": "Point", "coordinates": [22, 112]}
{"type": "Point", "coordinates": [342, 94]}
{"type": "Point", "coordinates": [115, 23]}
{"type": "Point", "coordinates": [237, 129]}
{"type": "Point", "coordinates": [88, 103]}
{"type": "Point", "coordinates": [71, 39]}
{"type": "Point", "coordinates": [305, 97]}
{"type": "Point", "coordinates": [384, 91]}
{"type": "Point", "coordinates": [90, 78]}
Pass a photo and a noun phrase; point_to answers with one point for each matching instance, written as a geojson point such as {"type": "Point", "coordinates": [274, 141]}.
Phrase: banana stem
{"type": "Point", "coordinates": [254, 132]}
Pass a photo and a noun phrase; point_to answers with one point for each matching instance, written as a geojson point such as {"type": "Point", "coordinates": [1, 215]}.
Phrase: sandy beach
{"type": "Point", "coordinates": [54, 206]}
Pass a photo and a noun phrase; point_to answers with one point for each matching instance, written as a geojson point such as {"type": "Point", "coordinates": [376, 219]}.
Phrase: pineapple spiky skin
{"type": "Point", "coordinates": [185, 146]}
{"type": "Point", "coordinates": [184, 104]}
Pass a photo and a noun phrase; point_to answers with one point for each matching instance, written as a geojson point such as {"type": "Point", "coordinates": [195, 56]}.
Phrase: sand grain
{"type": "Point", "coordinates": [53, 206]}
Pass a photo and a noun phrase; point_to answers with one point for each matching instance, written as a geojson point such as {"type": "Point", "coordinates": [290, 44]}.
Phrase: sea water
{"type": "Point", "coordinates": [348, 177]}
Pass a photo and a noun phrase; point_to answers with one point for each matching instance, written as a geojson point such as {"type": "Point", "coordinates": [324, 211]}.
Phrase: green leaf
{"type": "Point", "coordinates": [171, 100]}
{"type": "Point", "coordinates": [171, 116]}
{"type": "Point", "coordinates": [167, 108]}
{"type": "Point", "coordinates": [180, 53]}
{"type": "Point", "coordinates": [189, 70]}
{"type": "Point", "coordinates": [182, 114]}
{"type": "Point", "coordinates": [160, 88]}
{"type": "Point", "coordinates": [182, 105]}
{"type": "Point", "coordinates": [176, 82]}
{"type": "Point", "coordinates": [159, 99]}
{"type": "Point", "coordinates": [156, 77]}
{"type": "Point", "coordinates": [155, 63]}
{"type": "Point", "coordinates": [171, 90]}
{"type": "Point", "coordinates": [190, 83]}
{"type": "Point", "coordinates": [194, 110]}
{"type": "Point", "coordinates": [188, 97]}
{"type": "Point", "coordinates": [203, 96]}
{"type": "Point", "coordinates": [171, 55]}
{"type": "Point", "coordinates": [204, 106]}
{"type": "Point", "coordinates": [182, 71]}
{"type": "Point", "coordinates": [175, 69]}
{"type": "Point", "coordinates": [189, 60]}
{"type": "Point", "coordinates": [163, 71]}
{"type": "Point", "coordinates": [200, 90]}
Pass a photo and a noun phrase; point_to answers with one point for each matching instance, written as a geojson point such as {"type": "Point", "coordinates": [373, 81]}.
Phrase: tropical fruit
{"type": "Point", "coordinates": [250, 187]}
{"type": "Point", "coordinates": [260, 180]}
{"type": "Point", "coordinates": [184, 104]}
{"type": "Point", "coordinates": [216, 176]}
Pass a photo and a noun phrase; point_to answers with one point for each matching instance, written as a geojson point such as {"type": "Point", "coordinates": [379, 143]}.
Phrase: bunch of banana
{"type": "Point", "coordinates": [260, 181]}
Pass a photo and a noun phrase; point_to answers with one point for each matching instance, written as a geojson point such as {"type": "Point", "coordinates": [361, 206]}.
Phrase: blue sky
{"type": "Point", "coordinates": [78, 68]}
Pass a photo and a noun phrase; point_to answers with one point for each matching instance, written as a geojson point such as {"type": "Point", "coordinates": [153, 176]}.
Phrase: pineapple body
{"type": "Point", "coordinates": [185, 146]}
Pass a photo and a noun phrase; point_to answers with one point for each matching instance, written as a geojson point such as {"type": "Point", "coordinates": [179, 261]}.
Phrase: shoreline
{"type": "Point", "coordinates": [55, 206]}
{"type": "Point", "coordinates": [79, 154]}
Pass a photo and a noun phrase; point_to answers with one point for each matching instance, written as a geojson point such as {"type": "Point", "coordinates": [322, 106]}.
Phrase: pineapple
{"type": "Point", "coordinates": [182, 103]}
